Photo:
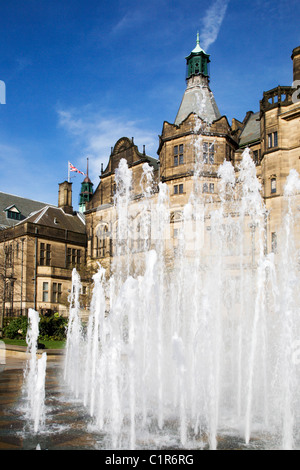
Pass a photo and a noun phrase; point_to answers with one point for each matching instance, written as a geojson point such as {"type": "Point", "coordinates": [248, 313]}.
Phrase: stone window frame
{"type": "Point", "coordinates": [45, 291]}
{"type": "Point", "coordinates": [178, 189]}
{"type": "Point", "coordinates": [178, 154]}
{"type": "Point", "coordinates": [209, 153]}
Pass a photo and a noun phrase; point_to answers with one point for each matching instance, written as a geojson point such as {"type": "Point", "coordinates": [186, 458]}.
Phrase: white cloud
{"type": "Point", "coordinates": [130, 20]}
{"type": "Point", "coordinates": [212, 22]}
{"type": "Point", "coordinates": [96, 132]}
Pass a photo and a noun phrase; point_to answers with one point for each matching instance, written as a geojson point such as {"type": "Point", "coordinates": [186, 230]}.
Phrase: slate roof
{"type": "Point", "coordinates": [55, 217]}
{"type": "Point", "coordinates": [24, 205]}
{"type": "Point", "coordinates": [200, 100]}
{"type": "Point", "coordinates": [251, 131]}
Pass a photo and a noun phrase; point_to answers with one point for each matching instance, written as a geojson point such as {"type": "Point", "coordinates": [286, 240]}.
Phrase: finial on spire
{"type": "Point", "coordinates": [198, 40]}
{"type": "Point", "coordinates": [87, 166]}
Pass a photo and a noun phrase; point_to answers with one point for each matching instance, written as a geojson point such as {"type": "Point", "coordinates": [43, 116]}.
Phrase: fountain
{"type": "Point", "coordinates": [34, 376]}
{"type": "Point", "coordinates": [198, 343]}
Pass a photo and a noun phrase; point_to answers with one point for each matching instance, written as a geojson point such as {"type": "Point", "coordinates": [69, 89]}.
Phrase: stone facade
{"type": "Point", "coordinates": [37, 256]}
{"type": "Point", "coordinates": [272, 135]}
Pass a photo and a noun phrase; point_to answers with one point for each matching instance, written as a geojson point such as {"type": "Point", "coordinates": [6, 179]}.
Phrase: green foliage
{"type": "Point", "coordinates": [52, 327]}
{"type": "Point", "coordinates": [15, 328]}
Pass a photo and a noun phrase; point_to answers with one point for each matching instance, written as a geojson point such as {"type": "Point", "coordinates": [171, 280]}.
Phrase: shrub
{"type": "Point", "coordinates": [50, 328]}
{"type": "Point", "coordinates": [16, 328]}
{"type": "Point", "coordinates": [53, 328]}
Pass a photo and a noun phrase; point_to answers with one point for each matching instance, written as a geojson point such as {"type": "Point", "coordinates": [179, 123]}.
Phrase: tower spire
{"type": "Point", "coordinates": [86, 192]}
{"type": "Point", "coordinates": [198, 98]}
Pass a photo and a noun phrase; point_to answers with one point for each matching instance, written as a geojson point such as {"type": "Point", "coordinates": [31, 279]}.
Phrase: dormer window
{"type": "Point", "coordinates": [13, 213]}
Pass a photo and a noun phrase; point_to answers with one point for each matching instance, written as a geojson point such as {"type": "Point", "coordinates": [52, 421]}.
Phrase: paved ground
{"type": "Point", "coordinates": [66, 421]}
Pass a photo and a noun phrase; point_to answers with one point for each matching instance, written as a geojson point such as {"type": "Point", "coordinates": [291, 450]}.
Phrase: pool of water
{"type": "Point", "coordinates": [68, 425]}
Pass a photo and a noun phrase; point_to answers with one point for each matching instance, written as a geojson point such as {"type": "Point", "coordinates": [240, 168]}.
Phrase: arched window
{"type": "Point", "coordinates": [101, 240]}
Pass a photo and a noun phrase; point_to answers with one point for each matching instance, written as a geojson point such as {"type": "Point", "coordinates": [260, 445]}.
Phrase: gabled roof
{"type": "Point", "coordinates": [125, 148]}
{"type": "Point", "coordinates": [55, 217]}
{"type": "Point", "coordinates": [23, 205]}
{"type": "Point", "coordinates": [251, 131]}
{"type": "Point", "coordinates": [12, 207]}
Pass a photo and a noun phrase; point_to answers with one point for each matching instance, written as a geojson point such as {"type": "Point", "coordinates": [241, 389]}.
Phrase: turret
{"type": "Point", "coordinates": [86, 190]}
{"type": "Point", "coordinates": [198, 98]}
{"type": "Point", "coordinates": [197, 62]}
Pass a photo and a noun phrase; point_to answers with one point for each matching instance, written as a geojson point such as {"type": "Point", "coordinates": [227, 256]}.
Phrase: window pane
{"type": "Point", "coordinates": [273, 185]}
{"type": "Point", "coordinates": [42, 254]}
{"type": "Point", "coordinates": [176, 189]}
{"type": "Point", "coordinates": [269, 140]}
{"type": "Point", "coordinates": [45, 292]}
{"type": "Point", "coordinates": [211, 153]}
{"type": "Point", "coordinates": [181, 189]}
{"type": "Point", "coordinates": [275, 139]}
{"type": "Point", "coordinates": [69, 256]}
{"type": "Point", "coordinates": [180, 159]}
{"type": "Point", "coordinates": [176, 160]}
{"type": "Point", "coordinates": [205, 152]}
{"type": "Point", "coordinates": [59, 291]}
{"type": "Point", "coordinates": [176, 150]}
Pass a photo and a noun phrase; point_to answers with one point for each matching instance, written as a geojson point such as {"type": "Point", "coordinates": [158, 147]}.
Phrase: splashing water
{"type": "Point", "coordinates": [34, 375]}
{"type": "Point", "coordinates": [200, 342]}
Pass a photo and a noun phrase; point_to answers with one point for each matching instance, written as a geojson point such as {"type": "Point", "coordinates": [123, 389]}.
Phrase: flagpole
{"type": "Point", "coordinates": [68, 172]}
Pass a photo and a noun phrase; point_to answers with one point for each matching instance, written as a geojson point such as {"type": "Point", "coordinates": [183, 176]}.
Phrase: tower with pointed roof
{"type": "Point", "coordinates": [198, 97]}
{"type": "Point", "coordinates": [198, 132]}
{"type": "Point", "coordinates": [86, 191]}
{"type": "Point", "coordinates": [197, 61]}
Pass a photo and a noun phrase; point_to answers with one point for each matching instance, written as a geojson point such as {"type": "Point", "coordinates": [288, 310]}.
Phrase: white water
{"type": "Point", "coordinates": [201, 343]}
{"type": "Point", "coordinates": [34, 375]}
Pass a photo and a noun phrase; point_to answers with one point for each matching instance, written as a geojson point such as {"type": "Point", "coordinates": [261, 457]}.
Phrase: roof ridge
{"type": "Point", "coordinates": [25, 198]}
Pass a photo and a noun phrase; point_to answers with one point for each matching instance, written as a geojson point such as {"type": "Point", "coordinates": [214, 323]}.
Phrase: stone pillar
{"type": "Point", "coordinates": [296, 63]}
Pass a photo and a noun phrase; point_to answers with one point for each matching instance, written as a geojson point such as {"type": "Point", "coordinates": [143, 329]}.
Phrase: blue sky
{"type": "Point", "coordinates": [81, 74]}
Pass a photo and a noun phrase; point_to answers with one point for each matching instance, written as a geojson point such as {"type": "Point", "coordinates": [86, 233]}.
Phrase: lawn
{"type": "Point", "coordinates": [47, 344]}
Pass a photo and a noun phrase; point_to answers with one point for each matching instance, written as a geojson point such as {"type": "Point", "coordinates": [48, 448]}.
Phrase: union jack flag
{"type": "Point", "coordinates": [73, 168]}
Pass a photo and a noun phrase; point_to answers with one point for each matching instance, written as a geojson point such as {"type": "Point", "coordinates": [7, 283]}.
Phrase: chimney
{"type": "Point", "coordinates": [65, 197]}
{"type": "Point", "coordinates": [296, 63]}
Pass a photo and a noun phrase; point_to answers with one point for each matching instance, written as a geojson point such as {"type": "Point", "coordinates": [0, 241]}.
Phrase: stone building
{"type": "Point", "coordinates": [100, 211]}
{"type": "Point", "coordinates": [37, 256]}
{"type": "Point", "coordinates": [272, 134]}
{"type": "Point", "coordinates": [40, 244]}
